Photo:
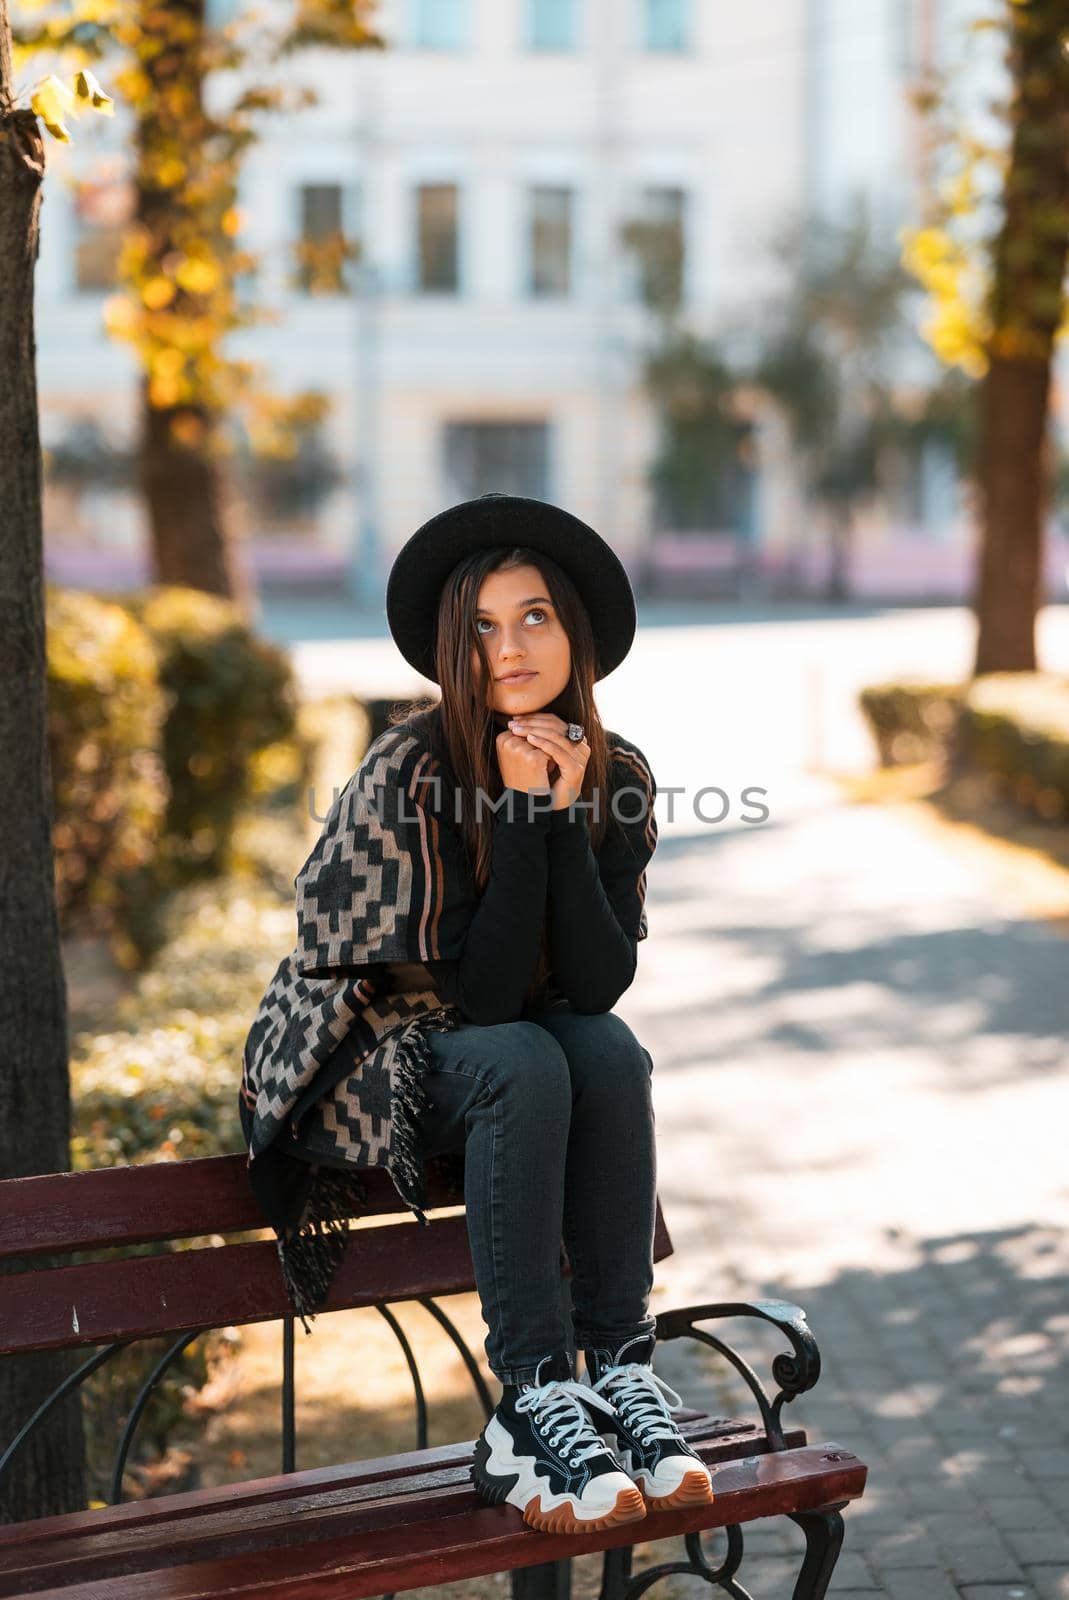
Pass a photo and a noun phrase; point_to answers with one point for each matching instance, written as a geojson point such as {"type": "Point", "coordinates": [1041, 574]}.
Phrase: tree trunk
{"type": "Point", "coordinates": [48, 1475]}
{"type": "Point", "coordinates": [840, 545]}
{"type": "Point", "coordinates": [1013, 473]}
{"type": "Point", "coordinates": [183, 482]}
{"type": "Point", "coordinates": [1027, 306]}
{"type": "Point", "coordinates": [185, 493]}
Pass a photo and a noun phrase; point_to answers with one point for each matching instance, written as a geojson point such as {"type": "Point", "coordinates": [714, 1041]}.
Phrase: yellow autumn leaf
{"type": "Point", "coordinates": [169, 173]}
{"type": "Point", "coordinates": [88, 89]}
{"type": "Point", "coordinates": [197, 276]}
{"type": "Point", "coordinates": [164, 391]}
{"type": "Point", "coordinates": [50, 101]}
{"type": "Point", "coordinates": [157, 292]}
{"type": "Point", "coordinates": [167, 363]}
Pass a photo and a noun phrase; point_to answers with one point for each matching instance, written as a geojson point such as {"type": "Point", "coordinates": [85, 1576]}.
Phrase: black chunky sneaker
{"type": "Point", "coordinates": [540, 1451]}
{"type": "Point", "coordinates": [643, 1436]}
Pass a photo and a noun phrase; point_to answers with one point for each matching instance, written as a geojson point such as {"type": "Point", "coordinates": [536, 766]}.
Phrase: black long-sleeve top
{"type": "Point", "coordinates": [544, 870]}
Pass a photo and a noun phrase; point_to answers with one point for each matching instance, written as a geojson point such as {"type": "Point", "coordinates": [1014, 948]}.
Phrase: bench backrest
{"type": "Point", "coordinates": [222, 1281]}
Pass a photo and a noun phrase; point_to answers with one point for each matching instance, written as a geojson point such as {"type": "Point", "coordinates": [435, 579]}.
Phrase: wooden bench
{"type": "Point", "coordinates": [367, 1527]}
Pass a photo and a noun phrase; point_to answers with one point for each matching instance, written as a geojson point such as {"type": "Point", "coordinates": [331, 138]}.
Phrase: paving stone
{"type": "Point", "coordinates": [854, 1571]}
{"type": "Point", "coordinates": [908, 1547]}
{"type": "Point", "coordinates": [1055, 1491]}
{"type": "Point", "coordinates": [997, 1591]}
{"type": "Point", "coordinates": [1023, 1513]}
{"type": "Point", "coordinates": [982, 1559]}
{"type": "Point", "coordinates": [1051, 1583]}
{"type": "Point", "coordinates": [940, 1494]}
{"type": "Point", "coordinates": [1045, 1463]}
{"type": "Point", "coordinates": [916, 1583]}
{"type": "Point", "coordinates": [1040, 1547]}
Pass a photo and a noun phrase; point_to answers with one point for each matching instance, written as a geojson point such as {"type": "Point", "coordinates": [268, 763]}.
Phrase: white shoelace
{"type": "Point", "coordinates": [560, 1404]}
{"type": "Point", "coordinates": [636, 1393]}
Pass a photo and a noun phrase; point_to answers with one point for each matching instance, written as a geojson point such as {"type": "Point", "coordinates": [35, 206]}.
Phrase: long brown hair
{"type": "Point", "coordinates": [460, 726]}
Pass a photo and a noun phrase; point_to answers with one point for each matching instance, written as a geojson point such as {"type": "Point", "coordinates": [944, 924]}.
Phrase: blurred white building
{"type": "Point", "coordinates": [486, 163]}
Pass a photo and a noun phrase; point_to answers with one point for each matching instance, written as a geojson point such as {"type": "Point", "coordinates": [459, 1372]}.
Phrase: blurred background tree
{"type": "Point", "coordinates": [832, 353]}
{"type": "Point", "coordinates": [993, 260]}
{"type": "Point", "coordinates": [836, 353]}
{"type": "Point", "coordinates": [693, 473]}
{"type": "Point", "coordinates": [185, 279]}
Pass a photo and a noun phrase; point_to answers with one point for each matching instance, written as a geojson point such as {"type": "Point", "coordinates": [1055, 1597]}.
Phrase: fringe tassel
{"type": "Point", "coordinates": [310, 1257]}
{"type": "Point", "coordinates": [408, 1101]}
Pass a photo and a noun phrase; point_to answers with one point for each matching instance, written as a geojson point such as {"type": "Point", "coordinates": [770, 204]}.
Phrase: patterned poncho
{"type": "Point", "coordinates": [334, 1056]}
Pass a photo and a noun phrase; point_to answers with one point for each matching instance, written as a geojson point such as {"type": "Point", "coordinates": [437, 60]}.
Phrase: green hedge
{"type": "Point", "coordinates": [1015, 726]}
{"type": "Point", "coordinates": [1011, 726]}
{"type": "Point", "coordinates": [230, 695]}
{"type": "Point", "coordinates": [911, 721]}
{"type": "Point", "coordinates": [161, 705]}
{"type": "Point", "coordinates": [105, 717]}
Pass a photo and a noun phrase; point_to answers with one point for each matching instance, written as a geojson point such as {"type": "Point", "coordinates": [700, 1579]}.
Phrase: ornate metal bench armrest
{"type": "Point", "coordinates": [795, 1373]}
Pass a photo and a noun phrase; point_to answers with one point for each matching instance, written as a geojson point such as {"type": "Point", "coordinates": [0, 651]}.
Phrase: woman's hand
{"type": "Point", "coordinates": [521, 764]}
{"type": "Point", "coordinates": [548, 733]}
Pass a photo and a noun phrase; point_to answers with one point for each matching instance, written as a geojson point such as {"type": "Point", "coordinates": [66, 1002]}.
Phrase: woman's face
{"type": "Point", "coordinates": [519, 631]}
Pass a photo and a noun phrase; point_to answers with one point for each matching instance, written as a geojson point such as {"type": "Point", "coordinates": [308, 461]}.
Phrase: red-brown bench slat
{"type": "Point", "coordinates": [191, 1503]}
{"type": "Point", "coordinates": [160, 1200]}
{"type": "Point", "coordinates": [156, 1200]}
{"type": "Point", "coordinates": [147, 1296]}
{"type": "Point", "coordinates": [226, 1521]}
{"type": "Point", "coordinates": [482, 1540]}
{"type": "Point", "coordinates": [144, 1296]}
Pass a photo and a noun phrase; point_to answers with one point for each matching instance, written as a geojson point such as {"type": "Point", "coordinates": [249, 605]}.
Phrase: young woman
{"type": "Point", "coordinates": [466, 923]}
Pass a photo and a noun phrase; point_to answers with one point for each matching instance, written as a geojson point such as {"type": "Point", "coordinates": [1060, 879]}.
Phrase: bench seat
{"type": "Point", "coordinates": [371, 1527]}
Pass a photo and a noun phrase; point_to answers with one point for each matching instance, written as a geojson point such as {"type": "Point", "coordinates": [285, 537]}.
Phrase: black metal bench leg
{"type": "Point", "coordinates": [552, 1580]}
{"type": "Point", "coordinates": [823, 1531]}
{"type": "Point", "coordinates": [615, 1572]}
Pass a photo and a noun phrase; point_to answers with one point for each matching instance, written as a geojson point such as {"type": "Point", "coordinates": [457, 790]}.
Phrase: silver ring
{"type": "Point", "coordinates": [575, 732]}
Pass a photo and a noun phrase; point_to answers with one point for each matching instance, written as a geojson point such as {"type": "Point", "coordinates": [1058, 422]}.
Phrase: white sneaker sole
{"type": "Point", "coordinates": [678, 1481]}
{"type": "Point", "coordinates": [609, 1499]}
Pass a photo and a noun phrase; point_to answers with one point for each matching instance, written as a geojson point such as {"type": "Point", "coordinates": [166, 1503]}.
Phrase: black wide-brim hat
{"type": "Point", "coordinates": [422, 565]}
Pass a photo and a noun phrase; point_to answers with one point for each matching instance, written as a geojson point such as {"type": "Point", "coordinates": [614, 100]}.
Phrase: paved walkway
{"type": "Point", "coordinates": [861, 1101]}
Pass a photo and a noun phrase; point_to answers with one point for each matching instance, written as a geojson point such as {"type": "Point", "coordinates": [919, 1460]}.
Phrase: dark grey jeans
{"type": "Point", "coordinates": [555, 1119]}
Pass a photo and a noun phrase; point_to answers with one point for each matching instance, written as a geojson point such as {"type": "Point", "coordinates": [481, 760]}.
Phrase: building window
{"type": "Point", "coordinates": [437, 224]}
{"type": "Point", "coordinates": [439, 24]}
{"type": "Point", "coordinates": [658, 238]}
{"type": "Point", "coordinates": [103, 209]}
{"type": "Point", "coordinates": [501, 457]}
{"type": "Point", "coordinates": [550, 257]}
{"type": "Point", "coordinates": [551, 24]}
{"type": "Point", "coordinates": [322, 248]}
{"type": "Point", "coordinates": [666, 24]}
